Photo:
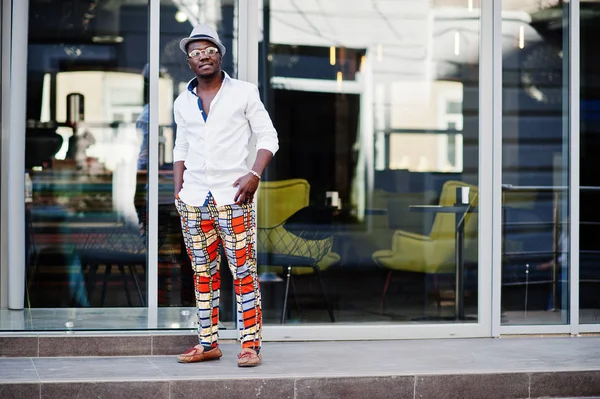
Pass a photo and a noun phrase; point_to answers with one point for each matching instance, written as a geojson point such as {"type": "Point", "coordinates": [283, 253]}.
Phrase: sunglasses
{"type": "Point", "coordinates": [210, 51]}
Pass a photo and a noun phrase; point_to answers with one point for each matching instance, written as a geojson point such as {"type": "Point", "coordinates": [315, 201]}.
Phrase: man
{"type": "Point", "coordinates": [216, 118]}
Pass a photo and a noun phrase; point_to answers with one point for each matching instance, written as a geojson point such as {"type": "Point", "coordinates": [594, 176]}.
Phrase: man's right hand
{"type": "Point", "coordinates": [178, 168]}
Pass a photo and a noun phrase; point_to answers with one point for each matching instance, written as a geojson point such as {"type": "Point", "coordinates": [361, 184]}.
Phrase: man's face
{"type": "Point", "coordinates": [203, 64]}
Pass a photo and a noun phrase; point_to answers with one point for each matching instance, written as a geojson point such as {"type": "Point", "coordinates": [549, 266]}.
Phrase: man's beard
{"type": "Point", "coordinates": [210, 76]}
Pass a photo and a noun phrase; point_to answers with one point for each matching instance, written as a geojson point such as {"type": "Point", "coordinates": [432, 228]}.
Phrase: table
{"type": "Point", "coordinates": [457, 209]}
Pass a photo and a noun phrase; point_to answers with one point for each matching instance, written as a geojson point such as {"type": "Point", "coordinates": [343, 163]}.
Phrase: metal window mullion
{"type": "Point", "coordinates": [574, 136]}
{"type": "Point", "coordinates": [589, 328]}
{"type": "Point", "coordinates": [16, 156]}
{"type": "Point", "coordinates": [252, 33]}
{"type": "Point", "coordinates": [534, 329]}
{"type": "Point", "coordinates": [243, 49]}
{"type": "Point", "coordinates": [5, 36]}
{"type": "Point", "coordinates": [153, 61]}
{"type": "Point", "coordinates": [242, 73]}
{"type": "Point", "coordinates": [490, 133]}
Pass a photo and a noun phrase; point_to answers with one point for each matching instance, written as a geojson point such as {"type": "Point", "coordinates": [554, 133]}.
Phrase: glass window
{"type": "Point", "coordinates": [535, 156]}
{"type": "Point", "coordinates": [176, 297]}
{"type": "Point", "coordinates": [589, 255]}
{"type": "Point", "coordinates": [85, 214]}
{"type": "Point", "coordinates": [377, 169]}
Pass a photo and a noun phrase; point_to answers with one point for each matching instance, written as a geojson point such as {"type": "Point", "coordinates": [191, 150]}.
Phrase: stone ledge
{"type": "Point", "coordinates": [96, 345]}
{"type": "Point", "coordinates": [489, 386]}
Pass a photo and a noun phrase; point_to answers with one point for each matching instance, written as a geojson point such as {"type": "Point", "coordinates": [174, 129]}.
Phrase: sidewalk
{"type": "Point", "coordinates": [450, 368]}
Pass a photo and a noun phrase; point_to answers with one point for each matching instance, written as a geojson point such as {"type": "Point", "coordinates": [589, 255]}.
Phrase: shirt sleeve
{"type": "Point", "coordinates": [180, 150]}
{"type": "Point", "coordinates": [260, 123]}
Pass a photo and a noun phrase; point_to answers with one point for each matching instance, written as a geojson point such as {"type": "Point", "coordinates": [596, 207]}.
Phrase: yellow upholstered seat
{"type": "Point", "coordinates": [433, 253]}
{"type": "Point", "coordinates": [277, 201]}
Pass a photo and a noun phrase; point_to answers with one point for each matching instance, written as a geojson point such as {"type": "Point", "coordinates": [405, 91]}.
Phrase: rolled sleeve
{"type": "Point", "coordinates": [261, 124]}
{"type": "Point", "coordinates": [180, 150]}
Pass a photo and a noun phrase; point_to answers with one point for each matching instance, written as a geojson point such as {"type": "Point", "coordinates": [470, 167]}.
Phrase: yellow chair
{"type": "Point", "coordinates": [276, 202]}
{"type": "Point", "coordinates": [281, 251]}
{"type": "Point", "coordinates": [434, 253]}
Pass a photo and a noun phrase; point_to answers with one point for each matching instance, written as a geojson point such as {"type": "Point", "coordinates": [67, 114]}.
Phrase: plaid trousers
{"type": "Point", "coordinates": [205, 229]}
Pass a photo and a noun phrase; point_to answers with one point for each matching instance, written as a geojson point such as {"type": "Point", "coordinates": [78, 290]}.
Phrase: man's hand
{"type": "Point", "coordinates": [178, 168]}
{"type": "Point", "coordinates": [247, 186]}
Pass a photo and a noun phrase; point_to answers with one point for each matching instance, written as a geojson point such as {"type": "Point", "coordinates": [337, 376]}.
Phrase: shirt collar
{"type": "Point", "coordinates": [192, 84]}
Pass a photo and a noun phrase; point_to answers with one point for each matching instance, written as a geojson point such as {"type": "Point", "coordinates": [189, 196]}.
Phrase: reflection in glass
{"type": "Point", "coordinates": [85, 95]}
{"type": "Point", "coordinates": [589, 255]}
{"type": "Point", "coordinates": [374, 124]}
{"type": "Point", "coordinates": [535, 156]}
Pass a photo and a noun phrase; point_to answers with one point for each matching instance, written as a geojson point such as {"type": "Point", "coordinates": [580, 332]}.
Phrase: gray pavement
{"type": "Point", "coordinates": [461, 368]}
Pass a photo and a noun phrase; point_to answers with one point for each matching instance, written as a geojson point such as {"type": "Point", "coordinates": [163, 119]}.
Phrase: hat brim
{"type": "Point", "coordinates": [185, 41]}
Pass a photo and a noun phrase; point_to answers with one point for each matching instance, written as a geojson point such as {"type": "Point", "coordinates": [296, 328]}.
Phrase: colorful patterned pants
{"type": "Point", "coordinates": [205, 230]}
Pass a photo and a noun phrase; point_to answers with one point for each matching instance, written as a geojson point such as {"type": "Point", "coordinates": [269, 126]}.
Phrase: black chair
{"type": "Point", "coordinates": [301, 241]}
{"type": "Point", "coordinates": [115, 246]}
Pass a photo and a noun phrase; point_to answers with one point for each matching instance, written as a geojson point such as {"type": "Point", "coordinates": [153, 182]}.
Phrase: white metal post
{"type": "Point", "coordinates": [5, 33]}
{"type": "Point", "coordinates": [248, 41]}
{"type": "Point", "coordinates": [15, 144]}
{"type": "Point", "coordinates": [154, 59]}
{"type": "Point", "coordinates": [574, 182]}
{"type": "Point", "coordinates": [490, 164]}
{"type": "Point", "coordinates": [242, 41]}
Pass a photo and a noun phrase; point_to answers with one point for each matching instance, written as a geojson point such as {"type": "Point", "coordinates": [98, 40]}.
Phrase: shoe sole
{"type": "Point", "coordinates": [249, 365]}
{"type": "Point", "coordinates": [201, 358]}
{"type": "Point", "coordinates": [198, 361]}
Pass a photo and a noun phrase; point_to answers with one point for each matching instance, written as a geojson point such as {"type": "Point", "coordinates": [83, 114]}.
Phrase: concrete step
{"type": "Point", "coordinates": [90, 344]}
{"type": "Point", "coordinates": [451, 368]}
{"type": "Point", "coordinates": [425, 387]}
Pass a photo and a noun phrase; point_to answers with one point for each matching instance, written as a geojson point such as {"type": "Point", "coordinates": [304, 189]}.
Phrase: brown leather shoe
{"type": "Point", "coordinates": [197, 354]}
{"type": "Point", "coordinates": [249, 358]}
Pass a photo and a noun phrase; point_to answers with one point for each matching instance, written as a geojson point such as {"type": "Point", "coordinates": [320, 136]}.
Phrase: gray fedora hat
{"type": "Point", "coordinates": [202, 32]}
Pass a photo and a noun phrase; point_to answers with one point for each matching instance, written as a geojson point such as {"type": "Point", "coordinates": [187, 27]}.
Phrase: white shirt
{"type": "Point", "coordinates": [215, 151]}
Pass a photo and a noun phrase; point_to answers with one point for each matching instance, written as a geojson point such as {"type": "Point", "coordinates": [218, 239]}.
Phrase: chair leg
{"type": "Point", "coordinates": [33, 267]}
{"type": "Point", "coordinates": [526, 290]}
{"type": "Point", "coordinates": [329, 309]}
{"type": "Point", "coordinates": [125, 284]}
{"type": "Point", "coordinates": [436, 287]}
{"type": "Point", "coordinates": [295, 295]}
{"type": "Point", "coordinates": [104, 285]}
{"type": "Point", "coordinates": [285, 296]}
{"type": "Point", "coordinates": [426, 285]}
{"type": "Point", "coordinates": [90, 281]}
{"type": "Point", "coordinates": [385, 289]}
{"type": "Point", "coordinates": [33, 270]}
{"type": "Point", "coordinates": [136, 281]}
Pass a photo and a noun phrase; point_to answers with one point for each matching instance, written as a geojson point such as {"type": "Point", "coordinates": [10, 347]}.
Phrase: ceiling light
{"type": "Point", "coordinates": [181, 17]}
{"type": "Point", "coordinates": [107, 39]}
{"type": "Point", "coordinates": [521, 37]}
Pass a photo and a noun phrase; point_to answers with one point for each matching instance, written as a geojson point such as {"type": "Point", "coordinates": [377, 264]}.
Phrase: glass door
{"type": "Point", "coordinates": [377, 109]}
{"type": "Point", "coordinates": [535, 164]}
{"type": "Point", "coordinates": [589, 254]}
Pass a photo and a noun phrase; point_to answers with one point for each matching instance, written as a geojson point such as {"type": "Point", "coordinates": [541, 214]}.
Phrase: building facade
{"type": "Point", "coordinates": [435, 176]}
